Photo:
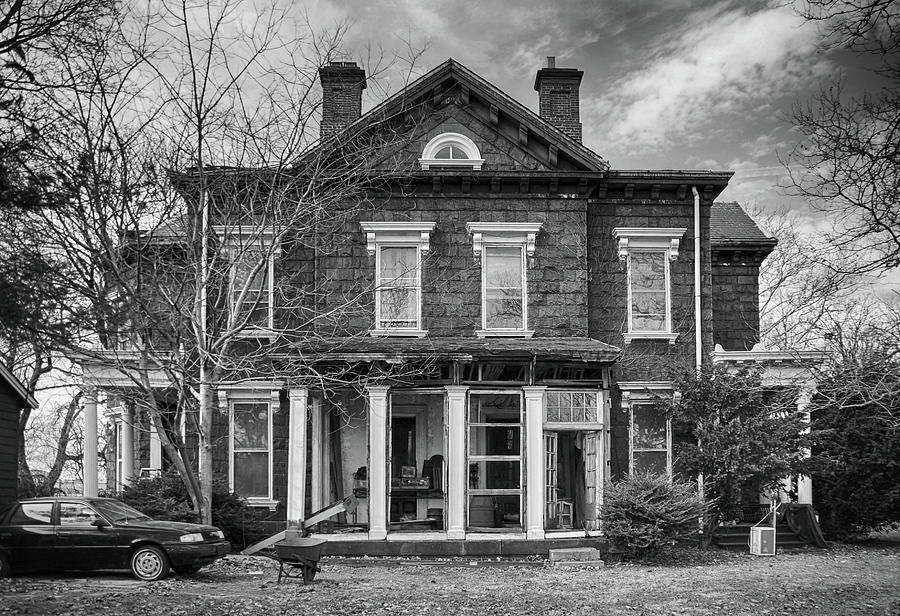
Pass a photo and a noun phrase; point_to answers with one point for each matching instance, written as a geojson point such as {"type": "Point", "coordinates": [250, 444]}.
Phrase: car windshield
{"type": "Point", "coordinates": [119, 513]}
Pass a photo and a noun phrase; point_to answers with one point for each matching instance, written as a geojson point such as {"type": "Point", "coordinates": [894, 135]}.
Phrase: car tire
{"type": "Point", "coordinates": [149, 563]}
{"type": "Point", "coordinates": [5, 565]}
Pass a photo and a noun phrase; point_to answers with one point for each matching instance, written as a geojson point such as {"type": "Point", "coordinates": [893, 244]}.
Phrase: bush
{"type": "Point", "coordinates": [165, 498]}
{"type": "Point", "coordinates": [647, 511]}
{"type": "Point", "coordinates": [855, 463]}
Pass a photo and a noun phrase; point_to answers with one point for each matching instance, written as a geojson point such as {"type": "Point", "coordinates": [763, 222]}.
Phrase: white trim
{"type": "Point", "coordinates": [228, 398]}
{"type": "Point", "coordinates": [663, 241]}
{"type": "Point", "coordinates": [629, 336]}
{"type": "Point", "coordinates": [473, 155]}
{"type": "Point", "coordinates": [631, 449]}
{"type": "Point", "coordinates": [658, 238]}
{"type": "Point", "coordinates": [503, 333]}
{"type": "Point", "coordinates": [238, 241]}
{"type": "Point", "coordinates": [414, 235]}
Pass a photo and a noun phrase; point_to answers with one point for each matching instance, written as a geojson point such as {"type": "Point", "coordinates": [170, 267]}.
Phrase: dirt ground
{"type": "Point", "coordinates": [849, 579]}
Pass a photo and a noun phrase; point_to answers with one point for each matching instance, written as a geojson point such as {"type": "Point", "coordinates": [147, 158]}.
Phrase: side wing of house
{"type": "Point", "coordinates": [13, 398]}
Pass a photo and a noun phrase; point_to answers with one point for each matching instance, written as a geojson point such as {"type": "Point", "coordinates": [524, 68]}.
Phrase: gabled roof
{"type": "Point", "coordinates": [17, 386]}
{"type": "Point", "coordinates": [730, 225]}
{"type": "Point", "coordinates": [453, 70]}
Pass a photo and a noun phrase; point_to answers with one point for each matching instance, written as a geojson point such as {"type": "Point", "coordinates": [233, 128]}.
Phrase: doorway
{"type": "Point", "coordinates": [572, 477]}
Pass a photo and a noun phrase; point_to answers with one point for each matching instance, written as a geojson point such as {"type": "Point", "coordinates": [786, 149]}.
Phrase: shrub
{"type": "Point", "coordinates": [646, 511]}
{"type": "Point", "coordinates": [165, 498]}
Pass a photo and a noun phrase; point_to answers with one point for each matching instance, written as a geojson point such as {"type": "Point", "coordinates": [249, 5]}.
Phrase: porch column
{"type": "Point", "coordinates": [804, 482]}
{"type": "Point", "coordinates": [127, 444]}
{"type": "Point", "coordinates": [534, 461]}
{"type": "Point", "coordinates": [296, 480]}
{"type": "Point", "coordinates": [456, 461]}
{"type": "Point", "coordinates": [89, 458]}
{"type": "Point", "coordinates": [318, 453]}
{"type": "Point", "coordinates": [377, 470]}
{"type": "Point", "coordinates": [155, 447]}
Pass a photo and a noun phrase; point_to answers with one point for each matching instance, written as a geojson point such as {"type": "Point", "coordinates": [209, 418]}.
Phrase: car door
{"type": "Point", "coordinates": [81, 543]}
{"type": "Point", "coordinates": [28, 535]}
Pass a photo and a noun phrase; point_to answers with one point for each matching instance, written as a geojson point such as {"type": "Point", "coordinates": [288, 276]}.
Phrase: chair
{"type": "Point", "coordinates": [565, 513]}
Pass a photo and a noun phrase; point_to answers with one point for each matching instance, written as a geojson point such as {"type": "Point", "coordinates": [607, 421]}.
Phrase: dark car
{"type": "Point", "coordinates": [70, 533]}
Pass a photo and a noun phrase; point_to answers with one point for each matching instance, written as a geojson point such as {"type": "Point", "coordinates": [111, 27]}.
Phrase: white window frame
{"type": "Point", "coordinates": [473, 155]}
{"type": "Point", "coordinates": [252, 392]}
{"type": "Point", "coordinates": [237, 241]}
{"type": "Point", "coordinates": [575, 425]}
{"type": "Point", "coordinates": [488, 235]}
{"type": "Point", "coordinates": [398, 235]}
{"type": "Point", "coordinates": [656, 240]}
{"type": "Point", "coordinates": [647, 393]}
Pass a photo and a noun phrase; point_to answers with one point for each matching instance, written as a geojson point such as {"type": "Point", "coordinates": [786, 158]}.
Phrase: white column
{"type": "Point", "coordinates": [318, 452]}
{"type": "Point", "coordinates": [534, 462]}
{"type": "Point", "coordinates": [378, 486]}
{"type": "Point", "coordinates": [456, 461]}
{"type": "Point", "coordinates": [296, 480]}
{"type": "Point", "coordinates": [804, 482]}
{"type": "Point", "coordinates": [127, 444]}
{"type": "Point", "coordinates": [89, 459]}
{"type": "Point", "coordinates": [155, 447]}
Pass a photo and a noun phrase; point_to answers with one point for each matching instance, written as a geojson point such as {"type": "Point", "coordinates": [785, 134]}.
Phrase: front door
{"type": "Point", "coordinates": [551, 442]}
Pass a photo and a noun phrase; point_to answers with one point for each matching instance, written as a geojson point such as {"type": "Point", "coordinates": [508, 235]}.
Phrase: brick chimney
{"type": "Point", "coordinates": [342, 86]}
{"type": "Point", "coordinates": [557, 90]}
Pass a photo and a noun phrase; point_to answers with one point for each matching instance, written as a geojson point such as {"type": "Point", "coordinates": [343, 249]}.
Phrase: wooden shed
{"type": "Point", "coordinates": [13, 397]}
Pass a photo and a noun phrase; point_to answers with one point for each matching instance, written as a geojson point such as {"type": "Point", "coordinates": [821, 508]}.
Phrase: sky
{"type": "Point", "coordinates": [668, 84]}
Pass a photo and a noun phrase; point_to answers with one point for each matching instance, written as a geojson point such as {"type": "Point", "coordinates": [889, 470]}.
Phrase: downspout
{"type": "Point", "coordinates": [698, 317]}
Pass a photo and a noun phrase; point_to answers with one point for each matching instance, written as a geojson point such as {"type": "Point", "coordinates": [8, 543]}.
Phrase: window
{"type": "Point", "coordinates": [571, 407]}
{"type": "Point", "coordinates": [29, 514]}
{"type": "Point", "coordinates": [251, 253]}
{"type": "Point", "coordinates": [398, 248]}
{"type": "Point", "coordinates": [251, 434]}
{"type": "Point", "coordinates": [76, 514]}
{"type": "Point", "coordinates": [648, 253]}
{"type": "Point", "coordinates": [503, 249]}
{"type": "Point", "coordinates": [650, 439]}
{"type": "Point", "coordinates": [451, 150]}
{"type": "Point", "coordinates": [495, 460]}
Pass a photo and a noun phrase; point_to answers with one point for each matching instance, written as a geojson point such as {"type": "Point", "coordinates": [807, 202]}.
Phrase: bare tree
{"type": "Point", "coordinates": [847, 162]}
{"type": "Point", "coordinates": [176, 266]}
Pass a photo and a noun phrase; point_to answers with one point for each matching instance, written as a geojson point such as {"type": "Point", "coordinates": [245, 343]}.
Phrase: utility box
{"type": "Point", "coordinates": [762, 541]}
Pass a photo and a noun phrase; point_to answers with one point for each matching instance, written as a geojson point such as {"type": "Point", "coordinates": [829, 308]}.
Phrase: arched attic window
{"type": "Point", "coordinates": [451, 150]}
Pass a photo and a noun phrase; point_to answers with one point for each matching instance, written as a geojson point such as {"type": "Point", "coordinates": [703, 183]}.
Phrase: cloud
{"type": "Point", "coordinates": [718, 62]}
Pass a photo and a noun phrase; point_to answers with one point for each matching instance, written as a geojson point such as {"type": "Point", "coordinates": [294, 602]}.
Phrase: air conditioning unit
{"type": "Point", "coordinates": [762, 541]}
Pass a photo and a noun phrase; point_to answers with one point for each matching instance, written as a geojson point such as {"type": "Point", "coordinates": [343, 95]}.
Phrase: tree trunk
{"type": "Point", "coordinates": [206, 451]}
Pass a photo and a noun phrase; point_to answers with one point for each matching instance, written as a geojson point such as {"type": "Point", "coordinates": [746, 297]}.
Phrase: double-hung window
{"type": "Point", "coordinates": [648, 253]}
{"type": "Point", "coordinates": [399, 248]}
{"type": "Point", "coordinates": [650, 430]}
{"type": "Point", "coordinates": [251, 254]}
{"type": "Point", "coordinates": [503, 249]}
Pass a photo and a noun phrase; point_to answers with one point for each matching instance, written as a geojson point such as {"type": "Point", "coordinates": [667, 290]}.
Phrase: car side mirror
{"type": "Point", "coordinates": [100, 523]}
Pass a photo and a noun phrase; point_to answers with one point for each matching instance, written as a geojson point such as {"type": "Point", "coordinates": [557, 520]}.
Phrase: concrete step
{"type": "Point", "coordinates": [560, 555]}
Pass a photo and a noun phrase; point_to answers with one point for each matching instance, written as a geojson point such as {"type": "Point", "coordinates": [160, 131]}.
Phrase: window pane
{"type": "Point", "coordinates": [444, 152]}
{"type": "Point", "coordinates": [75, 514]}
{"type": "Point", "coordinates": [251, 426]}
{"type": "Point", "coordinates": [503, 309]}
{"type": "Point", "coordinates": [572, 406]}
{"type": "Point", "coordinates": [495, 511]}
{"type": "Point", "coordinates": [648, 271]}
{"type": "Point", "coordinates": [495, 440]}
{"type": "Point", "coordinates": [32, 513]}
{"type": "Point", "coordinates": [650, 462]}
{"type": "Point", "coordinates": [399, 265]}
{"type": "Point", "coordinates": [503, 267]}
{"type": "Point", "coordinates": [494, 408]}
{"type": "Point", "coordinates": [649, 427]}
{"type": "Point", "coordinates": [648, 311]}
{"type": "Point", "coordinates": [244, 264]}
{"type": "Point", "coordinates": [495, 475]}
{"type": "Point", "coordinates": [398, 307]}
{"type": "Point", "coordinates": [251, 474]}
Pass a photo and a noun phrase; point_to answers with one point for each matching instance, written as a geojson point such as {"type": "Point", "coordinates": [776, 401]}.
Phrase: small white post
{"type": "Point", "coordinates": [456, 461]}
{"type": "Point", "coordinates": [377, 470]}
{"type": "Point", "coordinates": [89, 458]}
{"type": "Point", "coordinates": [155, 447]}
{"type": "Point", "coordinates": [318, 452]}
{"type": "Point", "coordinates": [296, 488]}
{"type": "Point", "coordinates": [804, 482]}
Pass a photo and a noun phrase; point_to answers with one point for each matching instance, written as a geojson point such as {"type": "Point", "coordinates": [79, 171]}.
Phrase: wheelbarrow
{"type": "Point", "coordinates": [298, 558]}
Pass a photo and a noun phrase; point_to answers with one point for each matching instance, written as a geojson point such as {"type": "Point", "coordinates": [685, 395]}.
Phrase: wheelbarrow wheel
{"type": "Point", "coordinates": [309, 573]}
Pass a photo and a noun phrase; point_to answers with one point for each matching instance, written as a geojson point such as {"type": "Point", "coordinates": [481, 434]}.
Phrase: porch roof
{"type": "Point", "coordinates": [393, 349]}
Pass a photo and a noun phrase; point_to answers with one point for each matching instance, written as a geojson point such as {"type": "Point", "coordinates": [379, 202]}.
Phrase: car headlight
{"type": "Point", "coordinates": [219, 534]}
{"type": "Point", "coordinates": [191, 537]}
